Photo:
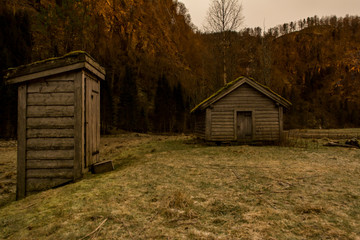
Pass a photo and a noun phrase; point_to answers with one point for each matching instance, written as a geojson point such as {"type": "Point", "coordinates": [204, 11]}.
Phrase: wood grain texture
{"type": "Point", "coordinates": [46, 86]}
{"type": "Point", "coordinates": [49, 164]}
{"type": "Point", "coordinates": [50, 99]}
{"type": "Point", "coordinates": [281, 122]}
{"type": "Point", "coordinates": [50, 111]}
{"type": "Point", "coordinates": [264, 121]}
{"type": "Point", "coordinates": [50, 123]}
{"type": "Point", "coordinates": [79, 125]}
{"type": "Point", "coordinates": [50, 144]}
{"type": "Point", "coordinates": [50, 154]}
{"type": "Point", "coordinates": [42, 71]}
{"type": "Point", "coordinates": [50, 133]}
{"type": "Point", "coordinates": [50, 173]}
{"type": "Point", "coordinates": [21, 151]}
{"type": "Point", "coordinates": [38, 184]}
{"type": "Point", "coordinates": [208, 124]}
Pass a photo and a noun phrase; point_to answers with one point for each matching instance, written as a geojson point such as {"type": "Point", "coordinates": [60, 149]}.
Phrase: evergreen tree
{"type": "Point", "coordinates": [164, 107]}
{"type": "Point", "coordinates": [128, 106]}
{"type": "Point", "coordinates": [179, 108]}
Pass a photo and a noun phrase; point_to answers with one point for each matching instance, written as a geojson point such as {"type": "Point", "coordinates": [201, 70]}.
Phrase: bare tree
{"type": "Point", "coordinates": [224, 16]}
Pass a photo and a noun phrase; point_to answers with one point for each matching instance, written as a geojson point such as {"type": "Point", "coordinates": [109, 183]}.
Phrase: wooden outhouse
{"type": "Point", "coordinates": [58, 120]}
{"type": "Point", "coordinates": [244, 111]}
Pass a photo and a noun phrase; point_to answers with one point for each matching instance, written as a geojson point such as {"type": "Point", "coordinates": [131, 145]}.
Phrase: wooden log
{"type": "Point", "coordinates": [50, 111]}
{"type": "Point", "coordinates": [50, 99]}
{"type": "Point", "coordinates": [51, 87]}
{"type": "Point", "coordinates": [45, 164]}
{"type": "Point", "coordinates": [50, 133]}
{"type": "Point", "coordinates": [102, 167]}
{"type": "Point", "coordinates": [50, 154]}
{"type": "Point", "coordinates": [50, 173]}
{"type": "Point", "coordinates": [50, 123]}
{"type": "Point", "coordinates": [38, 184]}
{"type": "Point", "coordinates": [50, 143]}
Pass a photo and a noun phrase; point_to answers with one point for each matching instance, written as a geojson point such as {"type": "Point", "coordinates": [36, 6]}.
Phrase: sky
{"type": "Point", "coordinates": [274, 12]}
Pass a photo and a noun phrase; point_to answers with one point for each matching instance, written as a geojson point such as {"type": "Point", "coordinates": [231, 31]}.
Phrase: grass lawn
{"type": "Point", "coordinates": [172, 187]}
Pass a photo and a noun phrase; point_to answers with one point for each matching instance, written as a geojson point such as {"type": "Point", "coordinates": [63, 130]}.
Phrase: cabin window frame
{"type": "Point", "coordinates": [253, 111]}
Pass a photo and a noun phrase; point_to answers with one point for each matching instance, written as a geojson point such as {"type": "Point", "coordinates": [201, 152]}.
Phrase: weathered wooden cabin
{"type": "Point", "coordinates": [243, 111]}
{"type": "Point", "coordinates": [58, 120]}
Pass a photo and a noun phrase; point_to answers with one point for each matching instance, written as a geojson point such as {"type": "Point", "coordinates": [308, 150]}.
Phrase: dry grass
{"type": "Point", "coordinates": [172, 187]}
{"type": "Point", "coordinates": [325, 133]}
{"type": "Point", "coordinates": [7, 171]}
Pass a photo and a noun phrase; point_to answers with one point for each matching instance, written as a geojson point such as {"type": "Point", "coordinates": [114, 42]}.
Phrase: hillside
{"type": "Point", "coordinates": [159, 66]}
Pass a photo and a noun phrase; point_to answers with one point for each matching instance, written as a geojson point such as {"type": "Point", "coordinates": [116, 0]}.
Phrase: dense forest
{"type": "Point", "coordinates": [159, 65]}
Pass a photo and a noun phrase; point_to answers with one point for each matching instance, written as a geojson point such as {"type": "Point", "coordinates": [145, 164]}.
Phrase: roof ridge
{"type": "Point", "coordinates": [230, 84]}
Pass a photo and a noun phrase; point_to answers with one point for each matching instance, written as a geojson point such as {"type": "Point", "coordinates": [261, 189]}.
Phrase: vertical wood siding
{"type": "Point", "coordinates": [92, 111]}
{"type": "Point", "coordinates": [245, 98]}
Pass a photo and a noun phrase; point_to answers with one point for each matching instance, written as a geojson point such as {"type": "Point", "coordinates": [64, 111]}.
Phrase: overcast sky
{"type": "Point", "coordinates": [276, 12]}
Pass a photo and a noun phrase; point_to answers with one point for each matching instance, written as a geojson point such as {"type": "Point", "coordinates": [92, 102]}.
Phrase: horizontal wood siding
{"type": "Point", "coordinates": [50, 99]}
{"type": "Point", "coordinates": [222, 125]}
{"type": "Point", "coordinates": [51, 87]}
{"type": "Point", "coordinates": [200, 124]}
{"type": "Point", "coordinates": [50, 111]}
{"type": "Point", "coordinates": [50, 143]}
{"type": "Point", "coordinates": [245, 98]}
{"type": "Point", "coordinates": [50, 132]}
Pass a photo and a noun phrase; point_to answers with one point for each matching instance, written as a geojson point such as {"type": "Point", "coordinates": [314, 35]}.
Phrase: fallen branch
{"type": "Point", "coordinates": [333, 144]}
{"type": "Point", "coordinates": [96, 229]}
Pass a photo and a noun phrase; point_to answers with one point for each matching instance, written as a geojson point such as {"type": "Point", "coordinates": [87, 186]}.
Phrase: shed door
{"type": "Point", "coordinates": [244, 125]}
{"type": "Point", "coordinates": [92, 121]}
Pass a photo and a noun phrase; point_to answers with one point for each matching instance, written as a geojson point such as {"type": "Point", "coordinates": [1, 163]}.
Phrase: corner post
{"type": "Point", "coordinates": [21, 138]}
{"type": "Point", "coordinates": [208, 124]}
{"type": "Point", "coordinates": [281, 123]}
{"type": "Point", "coordinates": [79, 127]}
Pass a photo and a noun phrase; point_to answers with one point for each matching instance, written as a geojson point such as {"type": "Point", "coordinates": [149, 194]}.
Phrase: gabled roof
{"type": "Point", "coordinates": [52, 66]}
{"type": "Point", "coordinates": [231, 86]}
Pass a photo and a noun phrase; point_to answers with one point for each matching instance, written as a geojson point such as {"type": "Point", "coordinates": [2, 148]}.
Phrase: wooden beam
{"type": "Point", "coordinates": [79, 126]}
{"type": "Point", "coordinates": [208, 124]}
{"type": "Point", "coordinates": [281, 122]}
{"type": "Point", "coordinates": [21, 152]}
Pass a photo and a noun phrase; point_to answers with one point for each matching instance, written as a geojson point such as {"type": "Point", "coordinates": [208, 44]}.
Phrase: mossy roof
{"type": "Point", "coordinates": [232, 84]}
{"type": "Point", "coordinates": [46, 64]}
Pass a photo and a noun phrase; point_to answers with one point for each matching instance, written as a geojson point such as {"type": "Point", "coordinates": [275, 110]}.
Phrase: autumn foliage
{"type": "Point", "coordinates": [159, 65]}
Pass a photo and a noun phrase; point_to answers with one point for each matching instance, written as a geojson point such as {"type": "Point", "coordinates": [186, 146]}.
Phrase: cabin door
{"type": "Point", "coordinates": [244, 125]}
{"type": "Point", "coordinates": [92, 121]}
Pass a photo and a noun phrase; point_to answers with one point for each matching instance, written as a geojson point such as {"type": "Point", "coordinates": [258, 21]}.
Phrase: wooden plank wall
{"type": "Point", "coordinates": [245, 98]}
{"type": "Point", "coordinates": [92, 119]}
{"type": "Point", "coordinates": [50, 132]}
{"type": "Point", "coordinates": [200, 124]}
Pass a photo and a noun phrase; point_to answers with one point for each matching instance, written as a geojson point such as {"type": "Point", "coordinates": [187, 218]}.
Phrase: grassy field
{"type": "Point", "coordinates": [172, 187]}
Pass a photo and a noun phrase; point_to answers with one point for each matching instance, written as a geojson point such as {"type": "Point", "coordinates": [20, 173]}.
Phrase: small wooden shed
{"type": "Point", "coordinates": [243, 110]}
{"type": "Point", "coordinates": [58, 120]}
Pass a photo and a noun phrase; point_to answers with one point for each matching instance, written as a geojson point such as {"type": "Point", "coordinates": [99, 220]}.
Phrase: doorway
{"type": "Point", "coordinates": [92, 122]}
{"type": "Point", "coordinates": [244, 126]}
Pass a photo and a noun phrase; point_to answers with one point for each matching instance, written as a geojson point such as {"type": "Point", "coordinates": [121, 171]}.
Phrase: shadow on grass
{"type": "Point", "coordinates": [125, 162]}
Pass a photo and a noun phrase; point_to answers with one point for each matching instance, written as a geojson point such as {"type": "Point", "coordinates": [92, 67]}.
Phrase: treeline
{"type": "Point", "coordinates": [159, 65]}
